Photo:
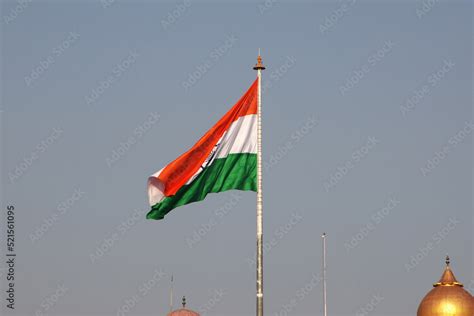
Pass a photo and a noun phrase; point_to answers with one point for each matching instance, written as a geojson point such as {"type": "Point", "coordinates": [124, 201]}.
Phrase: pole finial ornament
{"type": "Point", "coordinates": [259, 65]}
{"type": "Point", "coordinates": [184, 302]}
{"type": "Point", "coordinates": [448, 261]}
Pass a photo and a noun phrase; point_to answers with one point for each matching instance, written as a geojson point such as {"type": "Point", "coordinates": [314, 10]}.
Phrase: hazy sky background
{"type": "Point", "coordinates": [387, 50]}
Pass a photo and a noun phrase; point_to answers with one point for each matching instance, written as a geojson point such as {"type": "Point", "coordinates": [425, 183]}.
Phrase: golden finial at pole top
{"type": "Point", "coordinates": [259, 65]}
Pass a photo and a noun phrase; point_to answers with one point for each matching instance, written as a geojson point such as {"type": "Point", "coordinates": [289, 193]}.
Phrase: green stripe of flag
{"type": "Point", "coordinates": [235, 172]}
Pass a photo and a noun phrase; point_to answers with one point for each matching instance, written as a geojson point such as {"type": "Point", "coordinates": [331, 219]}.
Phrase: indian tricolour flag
{"type": "Point", "coordinates": [225, 158]}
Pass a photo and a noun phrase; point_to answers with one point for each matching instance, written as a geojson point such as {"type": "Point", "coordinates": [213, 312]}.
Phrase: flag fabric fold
{"type": "Point", "coordinates": [225, 158]}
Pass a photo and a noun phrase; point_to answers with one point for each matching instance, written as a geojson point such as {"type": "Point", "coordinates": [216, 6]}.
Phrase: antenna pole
{"type": "Point", "coordinates": [324, 275]}
{"type": "Point", "coordinates": [171, 295]}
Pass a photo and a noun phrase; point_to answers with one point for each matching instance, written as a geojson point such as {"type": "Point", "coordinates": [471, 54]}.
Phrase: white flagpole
{"type": "Point", "coordinates": [259, 67]}
{"type": "Point", "coordinates": [324, 275]}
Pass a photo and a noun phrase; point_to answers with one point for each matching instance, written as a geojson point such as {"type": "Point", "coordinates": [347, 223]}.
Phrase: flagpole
{"type": "Point", "coordinates": [259, 67]}
{"type": "Point", "coordinates": [324, 275]}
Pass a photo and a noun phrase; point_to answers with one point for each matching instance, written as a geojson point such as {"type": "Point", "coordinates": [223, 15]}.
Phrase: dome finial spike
{"type": "Point", "coordinates": [448, 261]}
{"type": "Point", "coordinates": [184, 302]}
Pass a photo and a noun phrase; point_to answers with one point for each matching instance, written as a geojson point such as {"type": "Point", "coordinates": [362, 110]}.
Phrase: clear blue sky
{"type": "Point", "coordinates": [389, 85]}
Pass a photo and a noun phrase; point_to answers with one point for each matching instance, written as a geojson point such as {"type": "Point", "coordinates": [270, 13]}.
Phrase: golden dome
{"type": "Point", "coordinates": [183, 311]}
{"type": "Point", "coordinates": [448, 298]}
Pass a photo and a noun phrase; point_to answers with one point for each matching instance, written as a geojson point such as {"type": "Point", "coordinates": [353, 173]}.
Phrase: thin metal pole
{"type": "Point", "coordinates": [324, 275]}
{"type": "Point", "coordinates": [259, 67]}
{"type": "Point", "coordinates": [171, 295]}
